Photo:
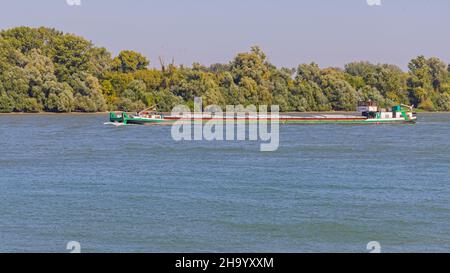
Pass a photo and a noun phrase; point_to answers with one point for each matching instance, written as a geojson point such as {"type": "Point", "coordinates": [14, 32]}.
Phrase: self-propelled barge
{"type": "Point", "coordinates": [370, 114]}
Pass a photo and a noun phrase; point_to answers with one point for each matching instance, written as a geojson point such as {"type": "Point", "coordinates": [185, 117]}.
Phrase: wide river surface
{"type": "Point", "coordinates": [328, 188]}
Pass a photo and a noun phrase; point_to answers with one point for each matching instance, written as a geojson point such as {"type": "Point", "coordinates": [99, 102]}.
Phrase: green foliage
{"type": "Point", "coordinates": [341, 94]}
{"type": "Point", "coordinates": [250, 65]}
{"type": "Point", "coordinates": [88, 93]}
{"type": "Point", "coordinates": [166, 100]}
{"type": "Point", "coordinates": [129, 61]}
{"type": "Point", "coordinates": [6, 103]}
{"type": "Point", "coordinates": [428, 83]}
{"type": "Point", "coordinates": [387, 80]}
{"type": "Point", "coordinates": [443, 102]}
{"type": "Point", "coordinates": [60, 97]}
{"type": "Point", "coordinates": [42, 69]}
{"type": "Point", "coordinates": [71, 55]}
{"type": "Point", "coordinates": [368, 93]}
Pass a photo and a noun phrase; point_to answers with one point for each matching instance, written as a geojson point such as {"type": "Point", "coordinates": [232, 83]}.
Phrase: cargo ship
{"type": "Point", "coordinates": [369, 114]}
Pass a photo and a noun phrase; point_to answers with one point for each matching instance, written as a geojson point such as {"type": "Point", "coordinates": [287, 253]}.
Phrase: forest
{"type": "Point", "coordinates": [46, 70]}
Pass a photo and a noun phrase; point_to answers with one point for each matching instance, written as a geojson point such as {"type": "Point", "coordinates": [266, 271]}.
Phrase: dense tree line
{"type": "Point", "coordinates": [43, 69]}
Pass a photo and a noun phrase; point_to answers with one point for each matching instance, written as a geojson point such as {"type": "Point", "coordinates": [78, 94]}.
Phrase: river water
{"type": "Point", "coordinates": [328, 188]}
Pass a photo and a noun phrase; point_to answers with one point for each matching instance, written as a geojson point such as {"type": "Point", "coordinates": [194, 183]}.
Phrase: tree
{"type": "Point", "coordinates": [6, 103]}
{"type": "Point", "coordinates": [443, 102]}
{"type": "Point", "coordinates": [368, 93]}
{"type": "Point", "coordinates": [388, 80]}
{"type": "Point", "coordinates": [129, 61]}
{"type": "Point", "coordinates": [40, 71]}
{"type": "Point", "coordinates": [16, 85]}
{"type": "Point", "coordinates": [152, 78]}
{"type": "Point", "coordinates": [71, 54]}
{"type": "Point", "coordinates": [46, 69]}
{"type": "Point", "coordinates": [428, 82]}
{"type": "Point", "coordinates": [100, 61]}
{"type": "Point", "coordinates": [250, 65]}
{"type": "Point", "coordinates": [214, 96]}
{"type": "Point", "coordinates": [438, 73]}
{"type": "Point", "coordinates": [309, 72]}
{"type": "Point", "coordinates": [25, 39]}
{"type": "Point", "coordinates": [136, 92]}
{"type": "Point", "coordinates": [341, 94]}
{"type": "Point", "coordinates": [166, 101]}
{"type": "Point", "coordinates": [88, 93]}
{"type": "Point", "coordinates": [60, 97]}
{"type": "Point", "coordinates": [282, 86]}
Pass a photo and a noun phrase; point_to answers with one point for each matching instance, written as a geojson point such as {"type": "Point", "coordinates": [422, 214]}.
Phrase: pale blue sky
{"type": "Point", "coordinates": [329, 32]}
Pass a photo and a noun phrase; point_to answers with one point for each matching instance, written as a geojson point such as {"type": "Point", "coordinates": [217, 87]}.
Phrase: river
{"type": "Point", "coordinates": [328, 188]}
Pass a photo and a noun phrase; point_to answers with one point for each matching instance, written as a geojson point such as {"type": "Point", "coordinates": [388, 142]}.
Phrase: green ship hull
{"type": "Point", "coordinates": [125, 118]}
